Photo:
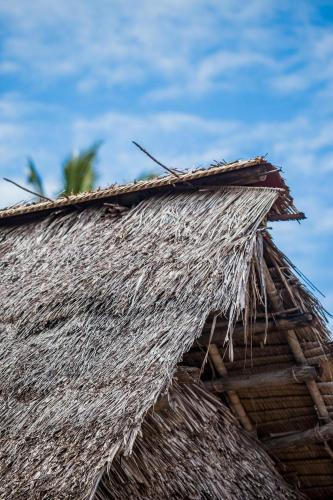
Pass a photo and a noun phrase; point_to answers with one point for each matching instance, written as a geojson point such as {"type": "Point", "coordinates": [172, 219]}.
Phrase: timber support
{"type": "Point", "coordinates": [296, 374]}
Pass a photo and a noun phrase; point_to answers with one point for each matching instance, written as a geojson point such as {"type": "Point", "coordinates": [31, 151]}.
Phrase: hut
{"type": "Point", "coordinates": [155, 343]}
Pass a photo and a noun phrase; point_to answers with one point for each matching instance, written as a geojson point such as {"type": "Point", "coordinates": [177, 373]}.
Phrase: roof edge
{"type": "Point", "coordinates": [253, 172]}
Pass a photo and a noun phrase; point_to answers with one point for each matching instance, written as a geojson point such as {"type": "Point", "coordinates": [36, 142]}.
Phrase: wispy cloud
{"type": "Point", "coordinates": [183, 46]}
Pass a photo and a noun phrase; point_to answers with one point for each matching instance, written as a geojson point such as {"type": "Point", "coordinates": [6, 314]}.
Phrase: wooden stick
{"type": "Point", "coordinates": [281, 217]}
{"type": "Point", "coordinates": [298, 439]}
{"type": "Point", "coordinates": [155, 160]}
{"type": "Point", "coordinates": [234, 400]}
{"type": "Point", "coordinates": [296, 374]}
{"type": "Point", "coordinates": [28, 190]}
{"type": "Point", "coordinates": [116, 207]}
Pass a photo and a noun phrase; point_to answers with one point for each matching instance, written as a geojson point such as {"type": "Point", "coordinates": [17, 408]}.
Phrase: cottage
{"type": "Point", "coordinates": [155, 343]}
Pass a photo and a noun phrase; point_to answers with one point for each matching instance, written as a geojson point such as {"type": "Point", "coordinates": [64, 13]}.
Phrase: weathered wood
{"type": "Point", "coordinates": [187, 374]}
{"type": "Point", "coordinates": [233, 398]}
{"type": "Point", "coordinates": [294, 344]}
{"type": "Point", "coordinates": [315, 435]}
{"type": "Point", "coordinates": [281, 217]}
{"type": "Point", "coordinates": [296, 321]}
{"type": "Point", "coordinates": [328, 386]}
{"type": "Point", "coordinates": [296, 374]}
{"type": "Point", "coordinates": [326, 365]}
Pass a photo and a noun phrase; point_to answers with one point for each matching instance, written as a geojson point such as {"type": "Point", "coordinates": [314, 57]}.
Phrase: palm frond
{"type": "Point", "coordinates": [79, 171]}
{"type": "Point", "coordinates": [34, 178]}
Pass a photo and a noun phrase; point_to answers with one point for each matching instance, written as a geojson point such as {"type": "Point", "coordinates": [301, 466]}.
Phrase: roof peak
{"type": "Point", "coordinates": [252, 172]}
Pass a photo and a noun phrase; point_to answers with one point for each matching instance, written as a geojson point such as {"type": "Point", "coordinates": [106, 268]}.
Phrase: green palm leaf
{"type": "Point", "coordinates": [34, 178]}
{"type": "Point", "coordinates": [79, 172]}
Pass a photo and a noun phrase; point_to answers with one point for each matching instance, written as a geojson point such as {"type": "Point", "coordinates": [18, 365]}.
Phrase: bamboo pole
{"type": "Point", "coordinates": [298, 439]}
{"type": "Point", "coordinates": [232, 396]}
{"type": "Point", "coordinates": [295, 346]}
{"type": "Point", "coordinates": [276, 378]}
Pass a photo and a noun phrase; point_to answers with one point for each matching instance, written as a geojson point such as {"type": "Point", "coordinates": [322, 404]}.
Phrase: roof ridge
{"type": "Point", "coordinates": [132, 187]}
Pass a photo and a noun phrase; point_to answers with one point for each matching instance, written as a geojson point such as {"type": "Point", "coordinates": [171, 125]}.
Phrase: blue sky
{"type": "Point", "coordinates": [193, 81]}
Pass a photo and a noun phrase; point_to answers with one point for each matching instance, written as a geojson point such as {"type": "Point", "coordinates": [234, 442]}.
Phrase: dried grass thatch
{"type": "Point", "coordinates": [95, 316]}
{"type": "Point", "coordinates": [194, 449]}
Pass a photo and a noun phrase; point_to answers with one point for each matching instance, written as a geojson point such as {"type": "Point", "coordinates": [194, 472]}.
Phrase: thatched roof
{"type": "Point", "coordinates": [195, 449]}
{"type": "Point", "coordinates": [101, 303]}
{"type": "Point", "coordinates": [98, 313]}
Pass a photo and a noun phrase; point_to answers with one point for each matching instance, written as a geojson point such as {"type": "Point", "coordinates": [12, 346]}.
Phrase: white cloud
{"type": "Point", "coordinates": [184, 140]}
{"type": "Point", "coordinates": [184, 46]}
{"type": "Point", "coordinates": [302, 144]}
{"type": "Point", "coordinates": [311, 63]}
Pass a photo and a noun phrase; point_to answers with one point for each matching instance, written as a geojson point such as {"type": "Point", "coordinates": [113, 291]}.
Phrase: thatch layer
{"type": "Point", "coordinates": [194, 449]}
{"type": "Point", "coordinates": [96, 315]}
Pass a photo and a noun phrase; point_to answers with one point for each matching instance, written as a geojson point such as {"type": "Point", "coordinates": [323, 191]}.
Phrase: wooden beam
{"type": "Point", "coordinates": [299, 320]}
{"type": "Point", "coordinates": [294, 344]}
{"type": "Point", "coordinates": [297, 439]}
{"type": "Point", "coordinates": [232, 396]}
{"type": "Point", "coordinates": [296, 374]}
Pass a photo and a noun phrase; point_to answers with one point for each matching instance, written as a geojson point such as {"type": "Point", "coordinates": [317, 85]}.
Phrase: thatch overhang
{"type": "Point", "coordinates": [101, 303]}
